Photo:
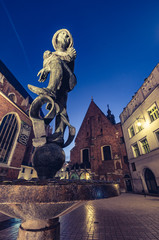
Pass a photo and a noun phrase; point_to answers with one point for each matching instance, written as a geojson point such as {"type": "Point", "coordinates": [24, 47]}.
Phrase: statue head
{"type": "Point", "coordinates": [62, 40]}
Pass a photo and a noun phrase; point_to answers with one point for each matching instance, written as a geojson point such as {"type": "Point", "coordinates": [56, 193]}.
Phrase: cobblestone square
{"type": "Point", "coordinates": [127, 217]}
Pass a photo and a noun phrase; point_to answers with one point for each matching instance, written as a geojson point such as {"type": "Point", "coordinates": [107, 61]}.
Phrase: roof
{"type": "Point", "coordinates": [14, 82]}
{"type": "Point", "coordinates": [92, 105]}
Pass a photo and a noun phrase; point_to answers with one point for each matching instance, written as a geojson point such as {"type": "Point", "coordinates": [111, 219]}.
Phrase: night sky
{"type": "Point", "coordinates": [117, 44]}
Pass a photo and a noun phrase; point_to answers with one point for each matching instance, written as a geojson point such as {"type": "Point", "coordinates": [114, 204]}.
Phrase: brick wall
{"type": "Point", "coordinates": [8, 89]}
{"type": "Point", "coordinates": [20, 150]}
{"type": "Point", "coordinates": [97, 131]}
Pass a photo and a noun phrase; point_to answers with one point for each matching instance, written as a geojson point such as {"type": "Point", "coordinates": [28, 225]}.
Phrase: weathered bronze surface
{"type": "Point", "coordinates": [60, 66]}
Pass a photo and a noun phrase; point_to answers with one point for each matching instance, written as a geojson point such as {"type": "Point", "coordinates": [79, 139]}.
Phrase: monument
{"type": "Point", "coordinates": [40, 203]}
{"type": "Point", "coordinates": [49, 155]}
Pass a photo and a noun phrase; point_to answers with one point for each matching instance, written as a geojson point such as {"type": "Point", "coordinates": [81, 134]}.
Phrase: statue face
{"type": "Point", "coordinates": [64, 39]}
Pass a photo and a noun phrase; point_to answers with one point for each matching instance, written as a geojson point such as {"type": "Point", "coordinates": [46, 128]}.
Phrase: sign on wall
{"type": "Point", "coordinates": [24, 133]}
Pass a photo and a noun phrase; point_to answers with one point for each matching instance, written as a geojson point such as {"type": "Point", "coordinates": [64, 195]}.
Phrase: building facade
{"type": "Point", "coordinates": [99, 146]}
{"type": "Point", "coordinates": [140, 124]}
{"type": "Point", "coordinates": [15, 126]}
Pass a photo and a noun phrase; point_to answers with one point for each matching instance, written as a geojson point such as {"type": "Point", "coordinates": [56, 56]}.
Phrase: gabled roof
{"type": "Point", "coordinates": [94, 108]}
{"type": "Point", "coordinates": [14, 82]}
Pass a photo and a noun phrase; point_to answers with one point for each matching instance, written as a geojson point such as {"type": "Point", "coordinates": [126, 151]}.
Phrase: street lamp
{"type": "Point", "coordinates": [141, 123]}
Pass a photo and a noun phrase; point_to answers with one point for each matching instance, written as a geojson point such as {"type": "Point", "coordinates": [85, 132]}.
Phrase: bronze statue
{"type": "Point", "coordinates": [60, 65]}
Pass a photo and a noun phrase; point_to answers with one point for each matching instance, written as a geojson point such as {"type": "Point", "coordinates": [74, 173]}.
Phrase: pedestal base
{"type": "Point", "coordinates": [40, 230]}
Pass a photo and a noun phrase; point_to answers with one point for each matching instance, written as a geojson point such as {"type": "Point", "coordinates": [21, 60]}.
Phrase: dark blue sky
{"type": "Point", "coordinates": [117, 44]}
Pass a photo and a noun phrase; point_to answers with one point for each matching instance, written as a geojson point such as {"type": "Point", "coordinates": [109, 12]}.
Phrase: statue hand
{"type": "Point", "coordinates": [72, 52]}
{"type": "Point", "coordinates": [43, 75]}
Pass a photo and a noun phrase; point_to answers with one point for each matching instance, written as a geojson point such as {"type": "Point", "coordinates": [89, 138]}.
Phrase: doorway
{"type": "Point", "coordinates": [150, 181]}
{"type": "Point", "coordinates": [128, 183]}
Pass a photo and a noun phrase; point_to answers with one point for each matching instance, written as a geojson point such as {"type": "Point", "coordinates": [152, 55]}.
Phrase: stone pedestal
{"type": "Point", "coordinates": [40, 230]}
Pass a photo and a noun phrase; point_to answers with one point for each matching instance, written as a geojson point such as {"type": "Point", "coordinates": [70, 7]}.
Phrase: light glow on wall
{"type": "Point", "coordinates": [146, 124]}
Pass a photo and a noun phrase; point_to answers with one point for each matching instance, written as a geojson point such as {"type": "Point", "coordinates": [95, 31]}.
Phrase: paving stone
{"type": "Point", "coordinates": [127, 217]}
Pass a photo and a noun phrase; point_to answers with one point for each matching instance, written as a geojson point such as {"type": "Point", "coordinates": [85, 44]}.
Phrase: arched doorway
{"type": "Point", "coordinates": [74, 176]}
{"type": "Point", "coordinates": [150, 181]}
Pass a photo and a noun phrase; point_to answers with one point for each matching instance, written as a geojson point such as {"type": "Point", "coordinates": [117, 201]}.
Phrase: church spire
{"type": "Point", "coordinates": [110, 116]}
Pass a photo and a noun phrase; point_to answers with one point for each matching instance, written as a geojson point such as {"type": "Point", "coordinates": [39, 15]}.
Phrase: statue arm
{"type": "Point", "coordinates": [72, 53]}
{"type": "Point", "coordinates": [43, 74]}
{"type": "Point", "coordinates": [56, 75]}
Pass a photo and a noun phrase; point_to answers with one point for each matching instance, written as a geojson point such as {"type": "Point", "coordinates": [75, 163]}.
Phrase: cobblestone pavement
{"type": "Point", "coordinates": [127, 217]}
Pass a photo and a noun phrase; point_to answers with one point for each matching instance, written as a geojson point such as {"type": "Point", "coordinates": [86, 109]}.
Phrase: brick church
{"type": "Point", "coordinates": [99, 146]}
{"type": "Point", "coordinates": [15, 126]}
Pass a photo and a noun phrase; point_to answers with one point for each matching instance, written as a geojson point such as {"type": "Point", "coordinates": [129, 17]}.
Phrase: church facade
{"type": "Point", "coordinates": [15, 126]}
{"type": "Point", "coordinates": [99, 148]}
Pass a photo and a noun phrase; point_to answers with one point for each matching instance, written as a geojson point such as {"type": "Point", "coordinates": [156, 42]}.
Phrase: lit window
{"type": "Point", "coordinates": [145, 145]}
{"type": "Point", "coordinates": [136, 150]}
{"type": "Point", "coordinates": [153, 113]}
{"type": "Point", "coordinates": [8, 130]}
{"type": "Point", "coordinates": [131, 131]}
{"type": "Point", "coordinates": [74, 176]}
{"type": "Point", "coordinates": [106, 153]}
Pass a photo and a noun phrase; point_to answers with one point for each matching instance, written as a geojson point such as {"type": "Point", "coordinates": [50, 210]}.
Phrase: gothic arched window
{"type": "Point", "coordinates": [8, 130]}
{"type": "Point", "coordinates": [85, 158]}
{"type": "Point", "coordinates": [106, 153]}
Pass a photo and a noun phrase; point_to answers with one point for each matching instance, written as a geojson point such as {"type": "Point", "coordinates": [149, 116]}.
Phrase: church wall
{"type": "Point", "coordinates": [14, 103]}
{"type": "Point", "coordinates": [97, 131]}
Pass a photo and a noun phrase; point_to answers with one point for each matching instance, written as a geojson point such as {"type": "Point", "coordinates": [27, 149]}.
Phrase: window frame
{"type": "Point", "coordinates": [145, 147]}
{"type": "Point", "coordinates": [130, 132]}
{"type": "Point", "coordinates": [14, 142]}
{"type": "Point", "coordinates": [102, 153]}
{"type": "Point", "coordinates": [157, 137]}
{"type": "Point", "coordinates": [14, 95]}
{"type": "Point", "coordinates": [155, 114]}
{"type": "Point", "coordinates": [135, 153]}
{"type": "Point", "coordinates": [82, 154]}
{"type": "Point", "coordinates": [133, 166]}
